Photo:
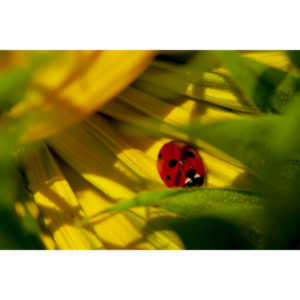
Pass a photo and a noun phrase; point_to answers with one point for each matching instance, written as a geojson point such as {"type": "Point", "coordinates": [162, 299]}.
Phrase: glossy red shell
{"type": "Point", "coordinates": [180, 165]}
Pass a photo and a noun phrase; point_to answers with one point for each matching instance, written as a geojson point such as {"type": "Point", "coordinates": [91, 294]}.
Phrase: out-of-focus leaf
{"type": "Point", "coordinates": [285, 141]}
{"type": "Point", "coordinates": [190, 61]}
{"type": "Point", "coordinates": [15, 232]}
{"type": "Point", "coordinates": [282, 203]}
{"type": "Point", "coordinates": [200, 62]}
{"type": "Point", "coordinates": [269, 88]}
{"type": "Point", "coordinates": [9, 176]}
{"type": "Point", "coordinates": [294, 56]}
{"type": "Point", "coordinates": [13, 235]}
{"type": "Point", "coordinates": [13, 84]}
{"type": "Point", "coordinates": [179, 57]}
{"type": "Point", "coordinates": [15, 81]}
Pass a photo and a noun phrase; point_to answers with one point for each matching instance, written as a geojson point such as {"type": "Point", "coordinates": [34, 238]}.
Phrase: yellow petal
{"type": "Point", "coordinates": [132, 157]}
{"type": "Point", "coordinates": [277, 59]}
{"type": "Point", "coordinates": [56, 201]}
{"type": "Point", "coordinates": [185, 112]}
{"type": "Point", "coordinates": [48, 241]}
{"type": "Point", "coordinates": [213, 87]}
{"type": "Point", "coordinates": [81, 147]}
{"type": "Point", "coordinates": [170, 114]}
{"type": "Point", "coordinates": [77, 84]}
{"type": "Point", "coordinates": [97, 164]}
{"type": "Point", "coordinates": [11, 59]}
{"type": "Point", "coordinates": [20, 209]}
{"type": "Point", "coordinates": [114, 230]}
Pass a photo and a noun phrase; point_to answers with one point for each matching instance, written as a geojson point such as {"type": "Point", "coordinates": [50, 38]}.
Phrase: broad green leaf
{"type": "Point", "coordinates": [232, 204]}
{"type": "Point", "coordinates": [234, 217]}
{"type": "Point", "coordinates": [269, 88]}
{"type": "Point", "coordinates": [193, 202]}
{"type": "Point", "coordinates": [208, 233]}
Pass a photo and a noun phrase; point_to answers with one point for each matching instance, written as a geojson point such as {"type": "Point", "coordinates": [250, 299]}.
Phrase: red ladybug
{"type": "Point", "coordinates": [180, 165]}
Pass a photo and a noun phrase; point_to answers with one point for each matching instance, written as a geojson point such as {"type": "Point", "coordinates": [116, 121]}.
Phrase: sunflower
{"type": "Point", "coordinates": [97, 120]}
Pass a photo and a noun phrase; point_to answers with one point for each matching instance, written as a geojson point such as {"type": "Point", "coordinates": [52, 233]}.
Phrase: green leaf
{"type": "Point", "coordinates": [247, 140]}
{"type": "Point", "coordinates": [294, 56]}
{"type": "Point", "coordinates": [13, 84]}
{"type": "Point", "coordinates": [269, 88]}
{"type": "Point", "coordinates": [210, 218]}
{"type": "Point", "coordinates": [13, 235]}
{"type": "Point", "coordinates": [178, 57]}
{"type": "Point", "coordinates": [285, 140]}
{"type": "Point", "coordinates": [195, 202]}
{"type": "Point", "coordinates": [15, 81]}
{"type": "Point", "coordinates": [191, 61]}
{"type": "Point", "coordinates": [262, 143]}
{"type": "Point", "coordinates": [267, 145]}
{"type": "Point", "coordinates": [207, 233]}
{"type": "Point", "coordinates": [241, 206]}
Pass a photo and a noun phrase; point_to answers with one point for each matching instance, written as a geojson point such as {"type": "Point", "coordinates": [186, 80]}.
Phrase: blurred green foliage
{"type": "Point", "coordinates": [15, 232]}
{"type": "Point", "coordinates": [15, 81]}
{"type": "Point", "coordinates": [269, 88]}
{"type": "Point", "coordinates": [294, 56]}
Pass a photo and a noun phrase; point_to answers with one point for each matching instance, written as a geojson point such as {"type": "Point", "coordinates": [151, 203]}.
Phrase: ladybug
{"type": "Point", "coordinates": [180, 165]}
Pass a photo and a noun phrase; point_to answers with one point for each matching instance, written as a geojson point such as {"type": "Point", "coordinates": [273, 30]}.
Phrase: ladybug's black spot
{"type": "Point", "coordinates": [168, 178]}
{"type": "Point", "coordinates": [159, 156]}
{"type": "Point", "coordinates": [172, 163]}
{"type": "Point", "coordinates": [190, 154]}
{"type": "Point", "coordinates": [190, 174]}
{"type": "Point", "coordinates": [199, 181]}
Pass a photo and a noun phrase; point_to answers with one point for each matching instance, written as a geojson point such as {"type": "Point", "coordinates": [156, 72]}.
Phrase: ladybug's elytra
{"type": "Point", "coordinates": [180, 165]}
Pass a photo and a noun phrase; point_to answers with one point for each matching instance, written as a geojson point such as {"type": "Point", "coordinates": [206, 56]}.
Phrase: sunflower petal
{"type": "Point", "coordinates": [116, 231]}
{"type": "Point", "coordinates": [91, 158]}
{"type": "Point", "coordinates": [134, 158]}
{"type": "Point", "coordinates": [57, 201]}
{"type": "Point", "coordinates": [182, 114]}
{"type": "Point", "coordinates": [212, 88]}
{"type": "Point", "coordinates": [77, 84]}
